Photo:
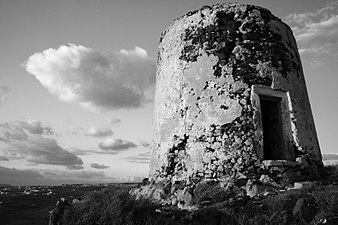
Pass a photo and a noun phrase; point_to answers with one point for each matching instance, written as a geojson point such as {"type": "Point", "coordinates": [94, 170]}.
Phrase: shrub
{"type": "Point", "coordinates": [114, 206]}
{"type": "Point", "coordinates": [111, 206]}
{"type": "Point", "coordinates": [327, 200]}
{"type": "Point", "coordinates": [329, 174]}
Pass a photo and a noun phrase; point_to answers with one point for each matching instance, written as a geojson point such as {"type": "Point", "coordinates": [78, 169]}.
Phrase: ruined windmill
{"type": "Point", "coordinates": [231, 100]}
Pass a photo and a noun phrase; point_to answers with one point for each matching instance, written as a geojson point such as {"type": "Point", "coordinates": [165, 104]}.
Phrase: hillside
{"type": "Point", "coordinates": [315, 203]}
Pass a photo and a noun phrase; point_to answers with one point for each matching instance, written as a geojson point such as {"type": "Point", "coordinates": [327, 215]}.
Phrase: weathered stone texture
{"type": "Point", "coordinates": [207, 114]}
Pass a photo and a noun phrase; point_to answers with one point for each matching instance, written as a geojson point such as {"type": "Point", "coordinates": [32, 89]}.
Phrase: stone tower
{"type": "Point", "coordinates": [231, 99]}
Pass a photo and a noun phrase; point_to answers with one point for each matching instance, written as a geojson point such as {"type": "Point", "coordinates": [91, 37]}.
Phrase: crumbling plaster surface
{"type": "Point", "coordinates": [208, 61]}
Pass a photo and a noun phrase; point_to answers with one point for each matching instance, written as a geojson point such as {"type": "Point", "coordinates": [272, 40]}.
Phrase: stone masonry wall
{"type": "Point", "coordinates": [205, 123]}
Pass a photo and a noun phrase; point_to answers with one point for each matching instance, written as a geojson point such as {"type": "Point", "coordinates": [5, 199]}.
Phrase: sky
{"type": "Point", "coordinates": [77, 83]}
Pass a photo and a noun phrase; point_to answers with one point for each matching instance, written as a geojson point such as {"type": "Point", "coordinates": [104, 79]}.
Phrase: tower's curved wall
{"type": "Point", "coordinates": [218, 69]}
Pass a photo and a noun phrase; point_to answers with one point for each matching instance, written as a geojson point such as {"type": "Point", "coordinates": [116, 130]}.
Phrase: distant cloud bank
{"type": "Point", "coordinates": [54, 177]}
{"type": "Point", "coordinates": [140, 158]}
{"type": "Point", "coordinates": [98, 166]}
{"type": "Point", "coordinates": [316, 33]}
{"type": "Point", "coordinates": [78, 74]}
{"type": "Point", "coordinates": [22, 139]}
{"type": "Point", "coordinates": [15, 173]}
{"type": "Point", "coordinates": [330, 156]}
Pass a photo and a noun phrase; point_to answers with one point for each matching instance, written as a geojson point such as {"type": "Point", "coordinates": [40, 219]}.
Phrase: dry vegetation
{"type": "Point", "coordinates": [116, 207]}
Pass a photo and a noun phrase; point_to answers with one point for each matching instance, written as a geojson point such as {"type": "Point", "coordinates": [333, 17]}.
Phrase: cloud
{"type": "Point", "coordinates": [15, 173]}
{"type": "Point", "coordinates": [4, 92]}
{"type": "Point", "coordinates": [78, 74]}
{"type": "Point", "coordinates": [99, 132]}
{"type": "Point", "coordinates": [331, 156]}
{"type": "Point", "coordinates": [115, 121]}
{"type": "Point", "coordinates": [3, 158]}
{"type": "Point", "coordinates": [76, 131]}
{"type": "Point", "coordinates": [316, 33]}
{"type": "Point", "coordinates": [53, 177]}
{"type": "Point", "coordinates": [116, 145]}
{"type": "Point", "coordinates": [145, 144]}
{"type": "Point", "coordinates": [35, 127]}
{"type": "Point", "coordinates": [140, 158]}
{"type": "Point", "coordinates": [77, 151]}
{"type": "Point", "coordinates": [84, 175]}
{"type": "Point", "coordinates": [75, 175]}
{"type": "Point", "coordinates": [99, 166]}
{"type": "Point", "coordinates": [22, 142]}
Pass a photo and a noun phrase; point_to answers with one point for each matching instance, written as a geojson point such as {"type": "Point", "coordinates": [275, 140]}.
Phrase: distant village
{"type": "Point", "coordinates": [9, 190]}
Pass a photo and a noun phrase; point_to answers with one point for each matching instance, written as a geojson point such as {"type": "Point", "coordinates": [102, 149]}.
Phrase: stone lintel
{"type": "Point", "coordinates": [279, 163]}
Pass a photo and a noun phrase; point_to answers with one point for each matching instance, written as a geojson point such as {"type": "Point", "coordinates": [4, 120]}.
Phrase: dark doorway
{"type": "Point", "coordinates": [273, 141]}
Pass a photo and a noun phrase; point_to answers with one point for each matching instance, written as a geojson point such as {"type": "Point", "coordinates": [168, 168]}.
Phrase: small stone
{"type": "Point", "coordinates": [186, 198]}
{"type": "Point", "coordinates": [248, 141]}
{"type": "Point", "coordinates": [265, 179]}
{"type": "Point", "coordinates": [251, 189]}
{"type": "Point", "coordinates": [268, 192]}
{"type": "Point", "coordinates": [241, 176]}
{"type": "Point", "coordinates": [299, 185]}
{"type": "Point", "coordinates": [174, 201]}
{"type": "Point", "coordinates": [243, 101]}
{"type": "Point", "coordinates": [158, 194]}
{"type": "Point", "coordinates": [302, 162]}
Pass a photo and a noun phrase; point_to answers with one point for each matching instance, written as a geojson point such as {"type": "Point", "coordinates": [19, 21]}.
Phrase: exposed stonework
{"type": "Point", "coordinates": [230, 94]}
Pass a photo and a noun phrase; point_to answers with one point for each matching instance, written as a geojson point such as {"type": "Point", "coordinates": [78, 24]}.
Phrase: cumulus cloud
{"type": "Point", "coordinates": [116, 145]}
{"type": "Point", "coordinates": [99, 132]}
{"type": "Point", "coordinates": [35, 127]}
{"type": "Point", "coordinates": [24, 140]}
{"type": "Point", "coordinates": [139, 158]}
{"type": "Point", "coordinates": [78, 74]}
{"type": "Point", "coordinates": [4, 92]}
{"type": "Point", "coordinates": [316, 33]}
{"type": "Point", "coordinates": [98, 166]}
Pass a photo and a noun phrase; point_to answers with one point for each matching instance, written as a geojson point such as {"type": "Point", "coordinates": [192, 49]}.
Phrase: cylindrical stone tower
{"type": "Point", "coordinates": [231, 99]}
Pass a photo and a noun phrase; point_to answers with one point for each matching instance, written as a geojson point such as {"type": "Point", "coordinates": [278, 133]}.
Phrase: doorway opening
{"type": "Point", "coordinates": [273, 136]}
{"type": "Point", "coordinates": [272, 123]}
